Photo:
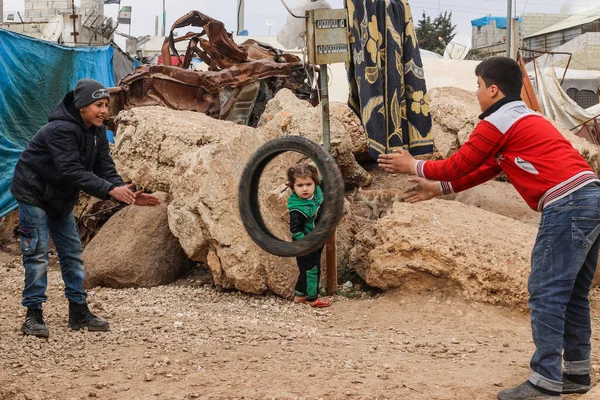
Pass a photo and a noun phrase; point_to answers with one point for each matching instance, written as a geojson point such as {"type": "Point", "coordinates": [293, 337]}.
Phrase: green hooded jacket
{"type": "Point", "coordinates": [308, 208]}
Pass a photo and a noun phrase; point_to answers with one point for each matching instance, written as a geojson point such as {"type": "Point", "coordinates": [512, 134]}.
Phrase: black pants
{"type": "Point", "coordinates": [309, 276]}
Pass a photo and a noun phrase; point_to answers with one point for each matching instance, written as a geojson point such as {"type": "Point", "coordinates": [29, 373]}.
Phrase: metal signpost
{"type": "Point", "coordinates": [327, 43]}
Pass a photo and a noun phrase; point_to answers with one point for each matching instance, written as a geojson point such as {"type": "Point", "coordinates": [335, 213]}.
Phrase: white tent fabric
{"type": "Point", "coordinates": [556, 104]}
{"type": "Point", "coordinates": [579, 79]}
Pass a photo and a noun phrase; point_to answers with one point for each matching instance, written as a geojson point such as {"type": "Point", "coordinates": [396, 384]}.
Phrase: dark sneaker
{"type": "Point", "coordinates": [34, 323]}
{"type": "Point", "coordinates": [81, 317]}
{"type": "Point", "coordinates": [572, 387]}
{"type": "Point", "coordinates": [525, 391]}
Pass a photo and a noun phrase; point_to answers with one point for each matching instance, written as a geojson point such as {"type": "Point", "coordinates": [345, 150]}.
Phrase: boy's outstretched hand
{"type": "Point", "coordinates": [145, 199]}
{"type": "Point", "coordinates": [422, 190]}
{"type": "Point", "coordinates": [400, 161]}
{"type": "Point", "coordinates": [123, 193]}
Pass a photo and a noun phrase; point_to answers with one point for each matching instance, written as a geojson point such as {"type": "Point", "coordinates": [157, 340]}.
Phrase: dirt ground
{"type": "Point", "coordinates": [189, 340]}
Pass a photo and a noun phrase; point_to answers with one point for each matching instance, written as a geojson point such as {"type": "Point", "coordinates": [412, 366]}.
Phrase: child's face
{"type": "Point", "coordinates": [304, 187]}
{"type": "Point", "coordinates": [95, 113]}
{"type": "Point", "coordinates": [486, 96]}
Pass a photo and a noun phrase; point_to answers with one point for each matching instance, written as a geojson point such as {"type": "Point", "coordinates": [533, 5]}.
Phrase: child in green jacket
{"type": "Point", "coordinates": [304, 204]}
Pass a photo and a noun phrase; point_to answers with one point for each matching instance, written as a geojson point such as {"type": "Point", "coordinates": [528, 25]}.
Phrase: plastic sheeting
{"type": "Point", "coordinates": [500, 21]}
{"type": "Point", "coordinates": [555, 102]}
{"type": "Point", "coordinates": [34, 77]}
{"type": "Point", "coordinates": [291, 35]}
{"type": "Point", "coordinates": [122, 63]}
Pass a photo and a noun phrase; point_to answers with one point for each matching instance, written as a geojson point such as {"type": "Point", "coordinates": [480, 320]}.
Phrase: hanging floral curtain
{"type": "Point", "coordinates": [387, 83]}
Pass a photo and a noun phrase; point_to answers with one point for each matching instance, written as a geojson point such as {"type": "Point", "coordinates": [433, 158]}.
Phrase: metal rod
{"type": "Point", "coordinates": [566, 68]}
{"type": "Point", "coordinates": [554, 52]}
{"type": "Point", "coordinates": [164, 24]}
{"type": "Point", "coordinates": [508, 26]}
{"type": "Point", "coordinates": [325, 106]}
{"type": "Point", "coordinates": [74, 23]}
{"type": "Point", "coordinates": [290, 11]}
{"type": "Point", "coordinates": [240, 16]}
{"type": "Point", "coordinates": [330, 249]}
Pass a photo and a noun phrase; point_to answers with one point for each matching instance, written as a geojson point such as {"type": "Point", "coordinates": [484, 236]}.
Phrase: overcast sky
{"type": "Point", "coordinates": [259, 12]}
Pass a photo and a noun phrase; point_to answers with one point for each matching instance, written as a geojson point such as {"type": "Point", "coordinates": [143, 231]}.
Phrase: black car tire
{"type": "Point", "coordinates": [333, 197]}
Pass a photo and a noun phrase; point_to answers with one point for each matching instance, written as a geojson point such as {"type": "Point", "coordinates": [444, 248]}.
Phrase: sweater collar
{"type": "Point", "coordinates": [496, 106]}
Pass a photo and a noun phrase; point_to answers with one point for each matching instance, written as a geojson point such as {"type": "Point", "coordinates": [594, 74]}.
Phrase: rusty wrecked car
{"type": "Point", "coordinates": [239, 82]}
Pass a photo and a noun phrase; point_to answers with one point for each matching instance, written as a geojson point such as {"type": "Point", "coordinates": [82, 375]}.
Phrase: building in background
{"type": "Point", "coordinates": [60, 21]}
{"type": "Point", "coordinates": [489, 32]}
{"type": "Point", "coordinates": [578, 35]}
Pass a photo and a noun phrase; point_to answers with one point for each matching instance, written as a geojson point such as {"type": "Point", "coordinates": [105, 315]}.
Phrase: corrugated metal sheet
{"type": "Point", "coordinates": [552, 40]}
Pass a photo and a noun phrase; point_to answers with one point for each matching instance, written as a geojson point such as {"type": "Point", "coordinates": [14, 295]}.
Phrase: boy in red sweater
{"type": "Point", "coordinates": [554, 179]}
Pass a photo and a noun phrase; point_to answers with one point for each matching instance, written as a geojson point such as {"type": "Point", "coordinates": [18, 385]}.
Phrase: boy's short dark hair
{"type": "Point", "coordinates": [503, 72]}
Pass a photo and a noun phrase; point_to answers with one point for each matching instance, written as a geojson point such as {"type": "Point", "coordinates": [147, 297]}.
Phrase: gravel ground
{"type": "Point", "coordinates": [189, 340]}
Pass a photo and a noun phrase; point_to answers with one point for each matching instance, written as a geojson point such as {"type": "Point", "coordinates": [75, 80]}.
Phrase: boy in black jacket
{"type": "Point", "coordinates": [67, 155]}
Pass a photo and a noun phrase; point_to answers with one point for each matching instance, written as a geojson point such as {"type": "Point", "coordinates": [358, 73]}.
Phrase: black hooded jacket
{"type": "Point", "coordinates": [61, 159]}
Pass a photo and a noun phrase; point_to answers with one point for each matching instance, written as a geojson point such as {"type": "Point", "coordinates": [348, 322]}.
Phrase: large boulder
{"type": "Point", "coordinates": [150, 141]}
{"type": "Point", "coordinates": [500, 198]}
{"type": "Point", "coordinates": [454, 114]}
{"type": "Point", "coordinates": [296, 117]}
{"type": "Point", "coordinates": [9, 238]}
{"type": "Point", "coordinates": [204, 214]}
{"type": "Point", "coordinates": [135, 248]}
{"type": "Point", "coordinates": [200, 160]}
{"type": "Point", "coordinates": [480, 254]}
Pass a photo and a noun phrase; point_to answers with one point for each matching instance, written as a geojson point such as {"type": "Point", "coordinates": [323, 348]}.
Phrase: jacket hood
{"type": "Point", "coordinates": [65, 111]}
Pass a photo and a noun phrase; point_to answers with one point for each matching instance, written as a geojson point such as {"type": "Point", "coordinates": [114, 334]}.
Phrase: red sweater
{"type": "Point", "coordinates": [540, 163]}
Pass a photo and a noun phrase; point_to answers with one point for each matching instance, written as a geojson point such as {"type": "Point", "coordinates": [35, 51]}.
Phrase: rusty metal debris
{"type": "Point", "coordinates": [239, 82]}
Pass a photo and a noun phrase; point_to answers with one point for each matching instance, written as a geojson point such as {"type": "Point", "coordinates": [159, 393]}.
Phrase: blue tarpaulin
{"type": "Point", "coordinates": [34, 76]}
{"type": "Point", "coordinates": [500, 21]}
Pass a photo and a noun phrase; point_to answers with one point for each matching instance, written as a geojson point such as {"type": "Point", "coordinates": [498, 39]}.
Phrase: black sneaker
{"type": "Point", "coordinates": [570, 387]}
{"type": "Point", "coordinates": [34, 323]}
{"type": "Point", "coordinates": [81, 317]}
{"type": "Point", "coordinates": [526, 391]}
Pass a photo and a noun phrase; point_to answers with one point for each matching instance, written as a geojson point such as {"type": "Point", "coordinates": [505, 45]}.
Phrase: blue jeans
{"type": "Point", "coordinates": [35, 230]}
{"type": "Point", "coordinates": [563, 263]}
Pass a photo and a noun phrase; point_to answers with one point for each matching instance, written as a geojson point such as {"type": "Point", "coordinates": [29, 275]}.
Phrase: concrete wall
{"type": "Point", "coordinates": [29, 29]}
{"type": "Point", "coordinates": [535, 22]}
{"type": "Point", "coordinates": [34, 29]}
{"type": "Point", "coordinates": [493, 50]}
{"type": "Point", "coordinates": [484, 36]}
{"type": "Point", "coordinates": [1, 11]}
{"type": "Point", "coordinates": [38, 10]}
{"type": "Point", "coordinates": [88, 5]}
